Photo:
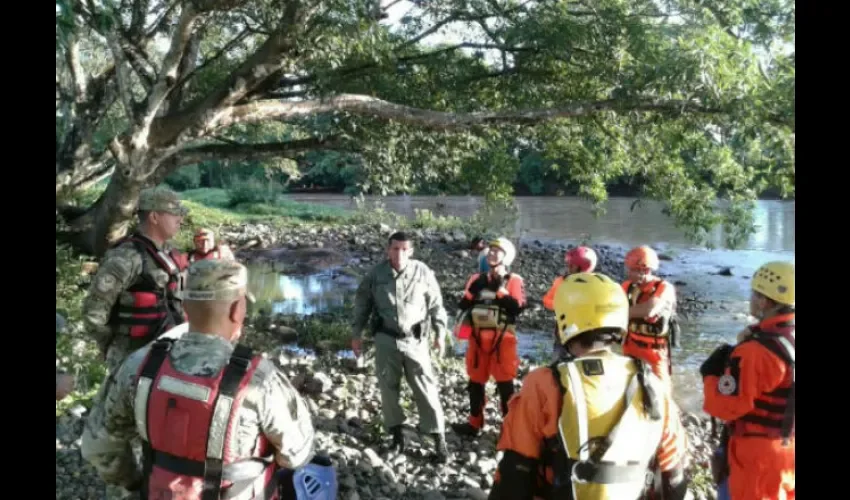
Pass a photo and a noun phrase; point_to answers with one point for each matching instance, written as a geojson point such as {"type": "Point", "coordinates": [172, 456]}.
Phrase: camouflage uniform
{"type": "Point", "coordinates": [120, 268]}
{"type": "Point", "coordinates": [274, 408]}
{"type": "Point", "coordinates": [404, 307]}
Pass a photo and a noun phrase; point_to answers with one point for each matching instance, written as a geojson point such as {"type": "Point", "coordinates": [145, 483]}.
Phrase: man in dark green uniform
{"type": "Point", "coordinates": [403, 298]}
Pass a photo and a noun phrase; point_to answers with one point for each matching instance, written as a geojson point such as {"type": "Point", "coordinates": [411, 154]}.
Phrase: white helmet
{"type": "Point", "coordinates": [507, 247]}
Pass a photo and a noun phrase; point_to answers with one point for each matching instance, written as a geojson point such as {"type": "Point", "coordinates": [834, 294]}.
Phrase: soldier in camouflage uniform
{"type": "Point", "coordinates": [118, 311]}
{"type": "Point", "coordinates": [403, 298]}
{"type": "Point", "coordinates": [216, 299]}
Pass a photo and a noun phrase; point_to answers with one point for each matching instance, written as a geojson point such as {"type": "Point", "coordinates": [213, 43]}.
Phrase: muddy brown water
{"type": "Point", "coordinates": [571, 220]}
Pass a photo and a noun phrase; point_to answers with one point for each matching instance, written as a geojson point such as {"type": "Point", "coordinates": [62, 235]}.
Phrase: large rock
{"type": "Point", "coordinates": [317, 384]}
{"type": "Point", "coordinates": [285, 334]}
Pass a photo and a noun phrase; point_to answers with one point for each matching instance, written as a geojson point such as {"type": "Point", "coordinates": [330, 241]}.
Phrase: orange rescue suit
{"type": "Point", "coordinates": [531, 431]}
{"type": "Point", "coordinates": [752, 395]}
{"type": "Point", "coordinates": [492, 349]}
{"type": "Point", "coordinates": [648, 339]}
{"type": "Point", "coordinates": [549, 298]}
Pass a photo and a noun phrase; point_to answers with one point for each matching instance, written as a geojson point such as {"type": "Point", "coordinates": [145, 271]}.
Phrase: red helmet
{"type": "Point", "coordinates": [642, 257]}
{"type": "Point", "coordinates": [582, 257]}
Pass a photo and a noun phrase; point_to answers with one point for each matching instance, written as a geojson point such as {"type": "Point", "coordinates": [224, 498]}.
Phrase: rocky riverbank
{"type": "Point", "coordinates": [345, 404]}
{"type": "Point", "coordinates": [354, 249]}
{"type": "Point", "coordinates": [345, 400]}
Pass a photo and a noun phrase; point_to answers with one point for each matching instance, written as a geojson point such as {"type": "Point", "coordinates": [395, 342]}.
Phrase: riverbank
{"type": "Point", "coordinates": [354, 249]}
{"type": "Point", "coordinates": [345, 403]}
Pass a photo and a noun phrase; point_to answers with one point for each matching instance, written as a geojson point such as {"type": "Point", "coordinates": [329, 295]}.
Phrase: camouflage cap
{"type": "Point", "coordinates": [161, 199]}
{"type": "Point", "coordinates": [216, 279]}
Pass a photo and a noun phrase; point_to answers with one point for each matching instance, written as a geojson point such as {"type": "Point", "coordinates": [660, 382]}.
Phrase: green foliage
{"type": "Point", "coordinates": [331, 335]}
{"type": "Point", "coordinates": [251, 191]}
{"type": "Point", "coordinates": [732, 62]}
{"type": "Point", "coordinates": [76, 354]}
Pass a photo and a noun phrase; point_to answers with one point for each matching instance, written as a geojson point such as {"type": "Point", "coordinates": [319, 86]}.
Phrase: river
{"type": "Point", "coordinates": [569, 220]}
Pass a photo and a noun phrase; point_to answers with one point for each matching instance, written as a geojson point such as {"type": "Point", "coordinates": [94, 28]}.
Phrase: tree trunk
{"type": "Point", "coordinates": [109, 218]}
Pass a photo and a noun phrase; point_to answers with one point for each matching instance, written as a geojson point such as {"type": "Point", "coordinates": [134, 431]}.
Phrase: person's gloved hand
{"type": "Point", "coordinates": [495, 282]}
{"type": "Point", "coordinates": [716, 362]}
{"type": "Point", "coordinates": [476, 287]}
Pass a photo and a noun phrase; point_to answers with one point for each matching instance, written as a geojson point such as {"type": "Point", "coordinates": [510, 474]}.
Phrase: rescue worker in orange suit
{"type": "Point", "coordinates": [205, 247]}
{"type": "Point", "coordinates": [594, 425]}
{"type": "Point", "coordinates": [751, 387]}
{"type": "Point", "coordinates": [216, 419]}
{"type": "Point", "coordinates": [578, 260]}
{"type": "Point", "coordinates": [494, 300]}
{"type": "Point", "coordinates": [652, 331]}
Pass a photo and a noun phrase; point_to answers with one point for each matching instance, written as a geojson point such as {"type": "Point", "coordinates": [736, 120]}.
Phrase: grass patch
{"type": "Point", "coordinates": [333, 335]}
{"type": "Point", "coordinates": [701, 479]}
{"type": "Point", "coordinates": [212, 207]}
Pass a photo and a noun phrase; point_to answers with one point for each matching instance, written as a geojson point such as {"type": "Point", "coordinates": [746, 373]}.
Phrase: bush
{"type": "Point", "coordinates": [252, 191]}
{"type": "Point", "coordinates": [76, 353]}
{"type": "Point", "coordinates": [188, 177]}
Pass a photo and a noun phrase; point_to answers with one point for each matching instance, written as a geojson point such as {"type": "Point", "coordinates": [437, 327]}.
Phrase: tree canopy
{"type": "Point", "coordinates": [689, 100]}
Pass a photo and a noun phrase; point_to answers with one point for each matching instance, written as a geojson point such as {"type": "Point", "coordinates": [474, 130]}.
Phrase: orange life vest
{"type": "Point", "coordinates": [647, 332]}
{"type": "Point", "coordinates": [774, 413]}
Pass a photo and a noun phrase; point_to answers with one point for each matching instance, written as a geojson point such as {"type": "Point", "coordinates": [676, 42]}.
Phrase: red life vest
{"type": "Point", "coordinates": [194, 255]}
{"type": "Point", "coordinates": [774, 412]}
{"type": "Point", "coordinates": [187, 426]}
{"type": "Point", "coordinates": [154, 309]}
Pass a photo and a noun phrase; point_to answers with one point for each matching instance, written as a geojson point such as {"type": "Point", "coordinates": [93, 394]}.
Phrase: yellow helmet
{"type": "Point", "coordinates": [775, 280]}
{"type": "Point", "coordinates": [587, 301]}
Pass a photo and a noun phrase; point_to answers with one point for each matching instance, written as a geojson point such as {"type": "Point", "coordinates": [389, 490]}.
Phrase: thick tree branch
{"type": "Point", "coordinates": [366, 105]}
{"type": "Point", "coordinates": [139, 61]}
{"type": "Point", "coordinates": [137, 23]}
{"type": "Point", "coordinates": [161, 23]}
{"type": "Point", "coordinates": [265, 61]}
{"type": "Point", "coordinates": [122, 74]}
{"type": "Point", "coordinates": [185, 77]}
{"type": "Point", "coordinates": [168, 72]}
{"type": "Point", "coordinates": [187, 65]}
{"type": "Point", "coordinates": [75, 68]}
{"type": "Point", "coordinates": [256, 69]}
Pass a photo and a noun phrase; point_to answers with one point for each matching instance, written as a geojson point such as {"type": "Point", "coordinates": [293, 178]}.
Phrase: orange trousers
{"type": "Point", "coordinates": [761, 469]}
{"type": "Point", "coordinates": [484, 359]}
{"type": "Point", "coordinates": [657, 358]}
